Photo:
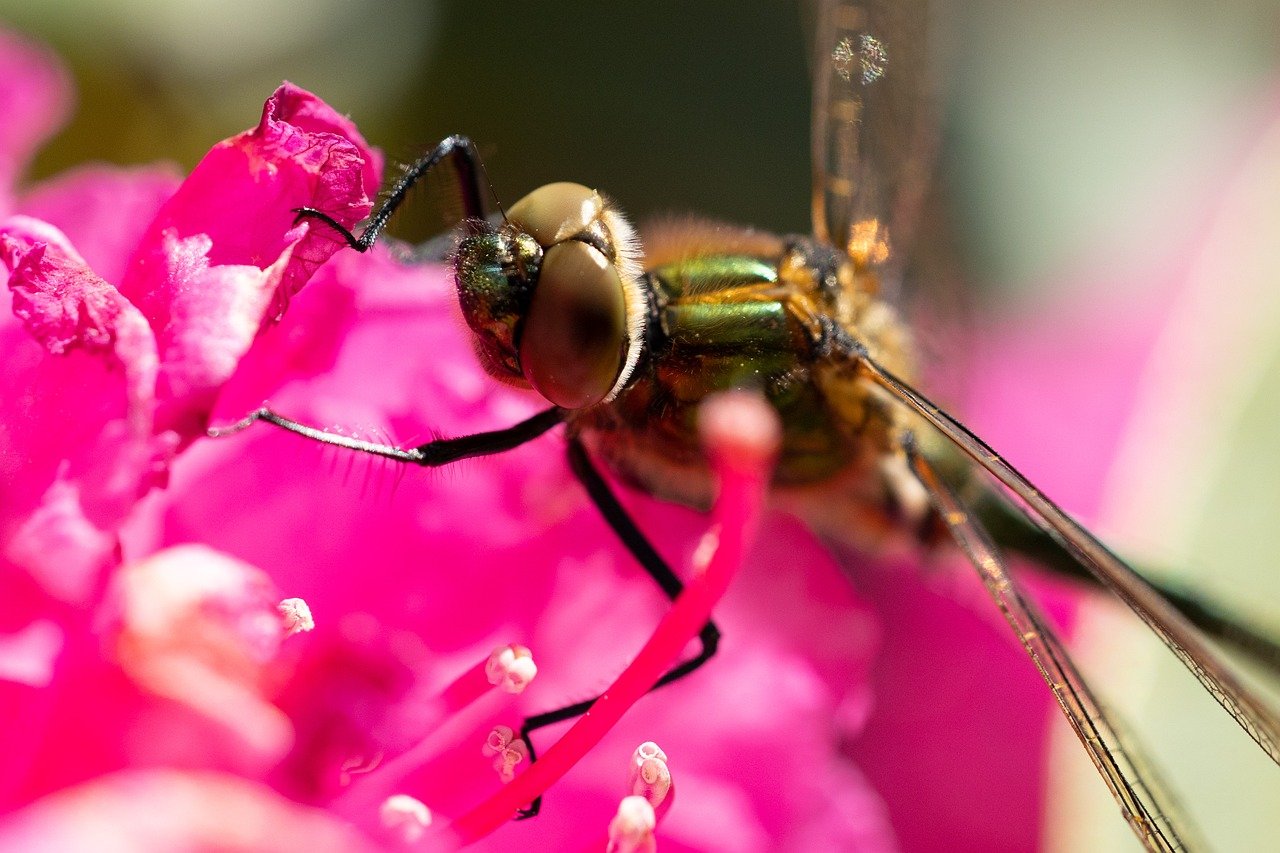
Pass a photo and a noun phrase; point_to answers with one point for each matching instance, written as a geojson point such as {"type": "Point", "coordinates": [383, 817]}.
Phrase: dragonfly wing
{"type": "Point", "coordinates": [874, 131]}
{"type": "Point", "coordinates": [1248, 709]}
{"type": "Point", "coordinates": [1010, 526]}
{"type": "Point", "coordinates": [1132, 779]}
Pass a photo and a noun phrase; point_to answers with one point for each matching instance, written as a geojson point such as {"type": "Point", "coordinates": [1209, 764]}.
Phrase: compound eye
{"type": "Point", "coordinates": [556, 212]}
{"type": "Point", "coordinates": [574, 334]}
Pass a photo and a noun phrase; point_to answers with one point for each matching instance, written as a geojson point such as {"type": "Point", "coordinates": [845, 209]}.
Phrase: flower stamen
{"type": "Point", "coordinates": [406, 817]}
{"type": "Point", "coordinates": [648, 775]}
{"type": "Point", "coordinates": [295, 616]}
{"type": "Point", "coordinates": [631, 830]}
{"type": "Point", "coordinates": [740, 433]}
{"type": "Point", "coordinates": [507, 751]}
{"type": "Point", "coordinates": [511, 667]}
{"type": "Point", "coordinates": [466, 700]}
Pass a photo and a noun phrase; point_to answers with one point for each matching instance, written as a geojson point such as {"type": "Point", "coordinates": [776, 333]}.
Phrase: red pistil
{"type": "Point", "coordinates": [740, 435]}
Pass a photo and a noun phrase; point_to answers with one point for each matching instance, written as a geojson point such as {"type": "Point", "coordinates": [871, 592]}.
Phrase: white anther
{"type": "Point", "coordinates": [499, 739]}
{"type": "Point", "coordinates": [406, 817]}
{"type": "Point", "coordinates": [296, 616]}
{"type": "Point", "coordinates": [511, 667]}
{"type": "Point", "coordinates": [648, 775]}
{"type": "Point", "coordinates": [631, 830]}
{"type": "Point", "coordinates": [505, 762]}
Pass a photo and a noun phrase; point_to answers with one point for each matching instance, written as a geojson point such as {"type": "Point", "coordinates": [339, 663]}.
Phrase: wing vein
{"type": "Point", "coordinates": [1131, 778]}
{"type": "Point", "coordinates": [1242, 703]}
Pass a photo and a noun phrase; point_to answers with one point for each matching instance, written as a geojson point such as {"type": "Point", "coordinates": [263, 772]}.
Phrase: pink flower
{"type": "Point", "coordinates": [140, 302]}
{"type": "Point", "coordinates": [144, 569]}
{"type": "Point", "coordinates": [406, 595]}
{"type": "Point", "coordinates": [134, 298]}
{"type": "Point", "coordinates": [158, 295]}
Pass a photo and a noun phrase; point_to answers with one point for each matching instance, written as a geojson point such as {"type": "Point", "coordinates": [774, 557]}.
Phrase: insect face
{"type": "Point", "coordinates": [553, 296]}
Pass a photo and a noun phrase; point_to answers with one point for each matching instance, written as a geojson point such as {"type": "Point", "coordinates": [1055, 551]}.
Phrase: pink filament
{"type": "Point", "coordinates": [743, 467]}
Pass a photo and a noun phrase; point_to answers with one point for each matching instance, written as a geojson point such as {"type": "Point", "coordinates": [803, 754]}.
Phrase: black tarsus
{"type": "Point", "coordinates": [653, 564]}
{"type": "Point", "coordinates": [433, 454]}
{"type": "Point", "coordinates": [461, 152]}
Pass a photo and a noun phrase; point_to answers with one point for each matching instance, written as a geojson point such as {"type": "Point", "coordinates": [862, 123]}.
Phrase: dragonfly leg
{"type": "Point", "coordinates": [459, 150]}
{"type": "Point", "coordinates": [653, 564]}
{"type": "Point", "coordinates": [443, 451]}
{"type": "Point", "coordinates": [433, 454]}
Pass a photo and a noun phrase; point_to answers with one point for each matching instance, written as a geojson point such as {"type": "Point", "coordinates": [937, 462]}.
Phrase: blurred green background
{"type": "Point", "coordinates": [1077, 136]}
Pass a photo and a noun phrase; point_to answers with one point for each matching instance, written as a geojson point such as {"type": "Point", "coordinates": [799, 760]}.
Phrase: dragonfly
{"type": "Point", "coordinates": [624, 335]}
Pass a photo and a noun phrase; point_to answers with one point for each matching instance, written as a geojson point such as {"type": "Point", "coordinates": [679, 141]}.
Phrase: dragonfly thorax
{"type": "Point", "coordinates": [552, 295]}
{"type": "Point", "coordinates": [738, 308]}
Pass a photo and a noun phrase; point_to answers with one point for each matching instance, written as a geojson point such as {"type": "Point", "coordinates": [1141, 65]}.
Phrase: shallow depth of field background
{"type": "Point", "coordinates": [1078, 136]}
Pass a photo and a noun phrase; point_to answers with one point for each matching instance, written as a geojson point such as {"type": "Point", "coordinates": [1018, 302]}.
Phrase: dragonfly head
{"type": "Point", "coordinates": [553, 295]}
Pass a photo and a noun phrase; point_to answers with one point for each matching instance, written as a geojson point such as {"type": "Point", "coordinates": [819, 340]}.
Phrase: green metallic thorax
{"type": "Point", "coordinates": [723, 321]}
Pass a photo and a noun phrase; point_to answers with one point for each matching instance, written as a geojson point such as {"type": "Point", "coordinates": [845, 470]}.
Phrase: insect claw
{"type": "Point", "coordinates": [311, 213]}
{"type": "Point", "coordinates": [240, 425]}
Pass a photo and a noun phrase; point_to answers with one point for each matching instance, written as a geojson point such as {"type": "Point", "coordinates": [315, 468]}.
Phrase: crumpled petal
{"type": "Point", "coordinates": [94, 388]}
{"type": "Point", "coordinates": [66, 305]}
{"type": "Point", "coordinates": [223, 256]}
{"type": "Point", "coordinates": [79, 414]}
{"type": "Point", "coordinates": [161, 371]}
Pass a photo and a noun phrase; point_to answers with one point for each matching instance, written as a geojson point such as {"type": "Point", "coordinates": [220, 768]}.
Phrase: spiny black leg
{"type": "Point", "coordinates": [656, 567]}
{"type": "Point", "coordinates": [444, 451]}
{"type": "Point", "coordinates": [653, 564]}
{"type": "Point", "coordinates": [433, 454]}
{"type": "Point", "coordinates": [461, 152]}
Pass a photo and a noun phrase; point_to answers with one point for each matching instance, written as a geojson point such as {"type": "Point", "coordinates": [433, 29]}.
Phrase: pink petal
{"type": "Point", "coordinates": [27, 656]}
{"type": "Point", "coordinates": [168, 810]}
{"type": "Point", "coordinates": [1056, 388]}
{"type": "Point", "coordinates": [61, 548]}
{"type": "Point", "coordinates": [78, 417]}
{"type": "Point", "coordinates": [103, 210]}
{"type": "Point", "coordinates": [199, 628]}
{"type": "Point", "coordinates": [216, 312]}
{"type": "Point", "coordinates": [65, 305]}
{"type": "Point", "coordinates": [34, 100]}
{"type": "Point", "coordinates": [223, 255]}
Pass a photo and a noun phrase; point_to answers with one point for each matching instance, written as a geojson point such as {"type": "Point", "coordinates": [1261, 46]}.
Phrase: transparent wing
{"type": "Point", "coordinates": [1136, 787]}
{"type": "Point", "coordinates": [1243, 704]}
{"type": "Point", "coordinates": [873, 126]}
